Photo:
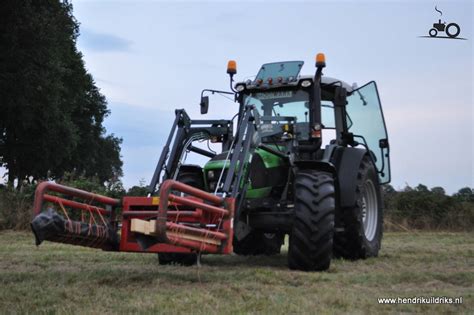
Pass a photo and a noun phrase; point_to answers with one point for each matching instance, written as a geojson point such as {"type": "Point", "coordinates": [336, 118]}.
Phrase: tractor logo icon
{"type": "Point", "coordinates": [452, 30]}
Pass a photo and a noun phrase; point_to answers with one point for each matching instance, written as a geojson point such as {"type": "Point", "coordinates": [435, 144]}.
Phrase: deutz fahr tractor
{"type": "Point", "coordinates": [274, 176]}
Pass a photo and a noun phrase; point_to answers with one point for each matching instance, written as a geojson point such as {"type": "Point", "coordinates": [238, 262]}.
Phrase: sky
{"type": "Point", "coordinates": [150, 57]}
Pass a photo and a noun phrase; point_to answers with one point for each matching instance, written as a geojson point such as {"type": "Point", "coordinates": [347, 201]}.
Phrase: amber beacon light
{"type": "Point", "coordinates": [232, 67]}
{"type": "Point", "coordinates": [320, 60]}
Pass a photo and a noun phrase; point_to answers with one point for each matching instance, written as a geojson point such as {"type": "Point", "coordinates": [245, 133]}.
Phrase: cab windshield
{"type": "Point", "coordinates": [281, 103]}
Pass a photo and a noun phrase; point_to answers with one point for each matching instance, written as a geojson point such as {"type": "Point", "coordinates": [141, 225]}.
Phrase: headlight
{"type": "Point", "coordinates": [306, 83]}
{"type": "Point", "coordinates": [240, 87]}
{"type": "Point", "coordinates": [210, 175]}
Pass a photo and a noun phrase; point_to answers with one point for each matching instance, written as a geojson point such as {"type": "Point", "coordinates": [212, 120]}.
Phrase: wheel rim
{"type": "Point", "coordinates": [369, 210]}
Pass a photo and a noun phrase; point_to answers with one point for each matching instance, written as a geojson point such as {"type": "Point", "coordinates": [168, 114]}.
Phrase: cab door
{"type": "Point", "coordinates": [366, 122]}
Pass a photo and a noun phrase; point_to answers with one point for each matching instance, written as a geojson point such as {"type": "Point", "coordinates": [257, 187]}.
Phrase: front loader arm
{"type": "Point", "coordinates": [240, 154]}
{"type": "Point", "coordinates": [183, 132]}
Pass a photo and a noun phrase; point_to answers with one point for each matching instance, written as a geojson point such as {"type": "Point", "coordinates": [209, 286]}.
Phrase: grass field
{"type": "Point", "coordinates": [66, 279]}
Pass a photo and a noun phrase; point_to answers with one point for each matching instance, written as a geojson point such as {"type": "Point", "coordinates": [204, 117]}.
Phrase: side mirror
{"type": "Point", "coordinates": [204, 104]}
{"type": "Point", "coordinates": [383, 143]}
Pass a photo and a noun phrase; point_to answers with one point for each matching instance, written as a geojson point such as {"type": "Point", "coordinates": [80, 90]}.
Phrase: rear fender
{"type": "Point", "coordinates": [347, 161]}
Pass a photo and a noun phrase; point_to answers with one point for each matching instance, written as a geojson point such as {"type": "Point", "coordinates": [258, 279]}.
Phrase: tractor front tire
{"type": "Point", "coordinates": [311, 239]}
{"type": "Point", "coordinates": [433, 32]}
{"type": "Point", "coordinates": [362, 224]}
{"type": "Point", "coordinates": [259, 243]}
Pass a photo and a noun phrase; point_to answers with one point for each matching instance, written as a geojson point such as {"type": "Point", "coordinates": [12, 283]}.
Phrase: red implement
{"type": "Point", "coordinates": [196, 222]}
{"type": "Point", "coordinates": [181, 224]}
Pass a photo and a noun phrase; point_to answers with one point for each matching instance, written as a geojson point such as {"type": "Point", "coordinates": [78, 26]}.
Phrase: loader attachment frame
{"type": "Point", "coordinates": [199, 222]}
{"type": "Point", "coordinates": [184, 132]}
{"type": "Point", "coordinates": [96, 226]}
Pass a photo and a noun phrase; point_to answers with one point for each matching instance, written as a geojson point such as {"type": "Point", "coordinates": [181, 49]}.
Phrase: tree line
{"type": "Point", "coordinates": [51, 111]}
{"type": "Point", "coordinates": [423, 208]}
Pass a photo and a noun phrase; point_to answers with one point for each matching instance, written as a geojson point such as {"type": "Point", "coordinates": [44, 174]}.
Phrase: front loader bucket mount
{"type": "Point", "coordinates": [197, 222]}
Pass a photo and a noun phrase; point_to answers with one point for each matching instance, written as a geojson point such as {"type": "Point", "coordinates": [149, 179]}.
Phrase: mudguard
{"type": "Point", "coordinates": [347, 161]}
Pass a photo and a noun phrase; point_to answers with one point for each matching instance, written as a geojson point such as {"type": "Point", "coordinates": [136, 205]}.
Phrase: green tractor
{"type": "Point", "coordinates": [274, 176]}
{"type": "Point", "coordinates": [326, 198]}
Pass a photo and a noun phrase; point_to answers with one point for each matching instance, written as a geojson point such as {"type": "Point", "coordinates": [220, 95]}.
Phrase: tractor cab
{"type": "Point", "coordinates": [286, 100]}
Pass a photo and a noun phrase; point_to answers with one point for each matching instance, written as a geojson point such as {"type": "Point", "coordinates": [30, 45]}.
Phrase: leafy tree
{"type": "Point", "coordinates": [407, 188]}
{"type": "Point", "coordinates": [465, 194]}
{"type": "Point", "coordinates": [51, 111]}
{"type": "Point", "coordinates": [138, 191]}
{"type": "Point", "coordinates": [438, 190]}
{"type": "Point", "coordinates": [388, 189]}
{"type": "Point", "coordinates": [421, 188]}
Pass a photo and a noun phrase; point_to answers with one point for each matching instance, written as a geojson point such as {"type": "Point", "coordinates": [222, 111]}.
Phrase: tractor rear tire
{"type": "Point", "coordinates": [311, 239]}
{"type": "Point", "coordinates": [456, 33]}
{"type": "Point", "coordinates": [363, 223]}
{"type": "Point", "coordinates": [184, 259]}
{"type": "Point", "coordinates": [259, 243]}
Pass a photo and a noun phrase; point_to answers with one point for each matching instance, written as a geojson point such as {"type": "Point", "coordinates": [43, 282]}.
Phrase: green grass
{"type": "Point", "coordinates": [56, 278]}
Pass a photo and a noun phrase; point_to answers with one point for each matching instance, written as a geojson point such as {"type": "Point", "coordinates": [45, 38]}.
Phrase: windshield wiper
{"type": "Point", "coordinates": [362, 98]}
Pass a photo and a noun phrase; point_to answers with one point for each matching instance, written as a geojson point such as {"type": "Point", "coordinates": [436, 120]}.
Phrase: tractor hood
{"type": "Point", "coordinates": [219, 161]}
{"type": "Point", "coordinates": [267, 171]}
